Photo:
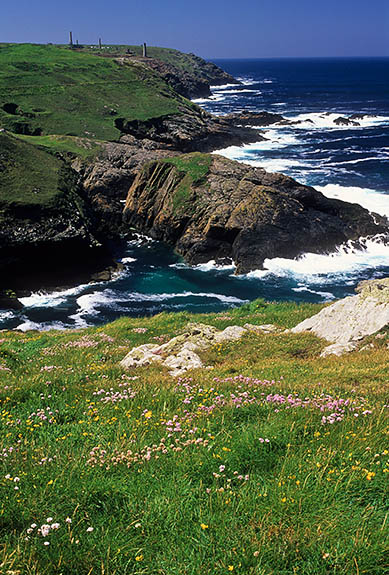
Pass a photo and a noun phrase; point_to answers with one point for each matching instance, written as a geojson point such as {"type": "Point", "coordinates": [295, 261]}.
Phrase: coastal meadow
{"type": "Point", "coordinates": [271, 461]}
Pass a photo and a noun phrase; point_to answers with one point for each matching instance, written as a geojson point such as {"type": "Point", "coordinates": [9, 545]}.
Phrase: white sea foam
{"type": "Point", "coordinates": [358, 161]}
{"type": "Point", "coordinates": [224, 86]}
{"type": "Point", "coordinates": [324, 294]}
{"type": "Point", "coordinates": [29, 325]}
{"type": "Point", "coordinates": [54, 299]}
{"type": "Point", "coordinates": [328, 268]}
{"type": "Point", "coordinates": [275, 140]}
{"type": "Point", "coordinates": [237, 92]}
{"type": "Point", "coordinates": [210, 266]}
{"type": "Point", "coordinates": [370, 199]}
{"type": "Point", "coordinates": [128, 260]}
{"type": "Point", "coordinates": [6, 315]}
{"type": "Point", "coordinates": [247, 81]}
{"type": "Point", "coordinates": [213, 266]}
{"type": "Point", "coordinates": [317, 120]}
{"type": "Point", "coordinates": [277, 164]}
{"type": "Point", "coordinates": [214, 98]}
{"type": "Point", "coordinates": [90, 304]}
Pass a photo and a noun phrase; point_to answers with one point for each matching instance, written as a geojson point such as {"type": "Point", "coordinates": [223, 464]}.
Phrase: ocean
{"type": "Point", "coordinates": [349, 162]}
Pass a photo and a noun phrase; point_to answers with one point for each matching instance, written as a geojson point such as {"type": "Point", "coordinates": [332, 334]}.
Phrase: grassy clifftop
{"type": "Point", "coordinates": [55, 90]}
{"type": "Point", "coordinates": [188, 63]}
{"type": "Point", "coordinates": [273, 462]}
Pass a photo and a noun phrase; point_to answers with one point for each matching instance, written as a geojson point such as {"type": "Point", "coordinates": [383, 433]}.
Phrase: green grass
{"type": "Point", "coordinates": [194, 168]}
{"type": "Point", "coordinates": [28, 175]}
{"type": "Point", "coordinates": [314, 500]}
{"type": "Point", "coordinates": [55, 90]}
{"type": "Point", "coordinates": [66, 145]}
{"type": "Point", "coordinates": [185, 62]}
{"type": "Point", "coordinates": [195, 165]}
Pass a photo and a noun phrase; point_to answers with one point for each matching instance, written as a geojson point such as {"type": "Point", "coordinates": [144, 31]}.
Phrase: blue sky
{"type": "Point", "coordinates": [210, 28]}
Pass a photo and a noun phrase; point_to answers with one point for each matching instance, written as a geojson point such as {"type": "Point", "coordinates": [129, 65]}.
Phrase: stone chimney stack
{"type": "Point", "coordinates": [71, 39]}
{"type": "Point", "coordinates": [144, 50]}
{"type": "Point", "coordinates": [100, 43]}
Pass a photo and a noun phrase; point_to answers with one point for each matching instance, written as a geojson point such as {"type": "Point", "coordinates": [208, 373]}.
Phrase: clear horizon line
{"type": "Point", "coordinates": [327, 57]}
{"type": "Point", "coordinates": [298, 58]}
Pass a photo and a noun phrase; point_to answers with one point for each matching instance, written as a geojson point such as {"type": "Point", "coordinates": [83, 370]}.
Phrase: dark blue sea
{"type": "Point", "coordinates": [349, 162]}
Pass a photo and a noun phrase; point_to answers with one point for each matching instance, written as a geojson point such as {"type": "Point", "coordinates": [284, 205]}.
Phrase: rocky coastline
{"type": "Point", "coordinates": [143, 180]}
{"type": "Point", "coordinates": [239, 212]}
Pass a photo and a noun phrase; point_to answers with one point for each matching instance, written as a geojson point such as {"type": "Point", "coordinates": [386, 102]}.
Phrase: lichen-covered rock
{"type": "Point", "coordinates": [182, 362]}
{"type": "Point", "coordinates": [349, 320]}
{"type": "Point", "coordinates": [142, 355]}
{"type": "Point", "coordinates": [180, 353]}
{"type": "Point", "coordinates": [266, 328]}
{"type": "Point", "coordinates": [231, 333]}
{"type": "Point", "coordinates": [338, 349]}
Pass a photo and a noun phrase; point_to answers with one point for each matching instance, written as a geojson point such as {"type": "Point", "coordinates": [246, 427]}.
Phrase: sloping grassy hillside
{"type": "Point", "coordinates": [28, 175]}
{"type": "Point", "coordinates": [72, 146]}
{"type": "Point", "coordinates": [55, 90]}
{"type": "Point", "coordinates": [274, 462]}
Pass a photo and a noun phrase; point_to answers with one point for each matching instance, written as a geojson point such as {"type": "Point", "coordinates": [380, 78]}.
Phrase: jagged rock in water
{"type": "Point", "coordinates": [345, 122]}
{"type": "Point", "coordinates": [256, 118]}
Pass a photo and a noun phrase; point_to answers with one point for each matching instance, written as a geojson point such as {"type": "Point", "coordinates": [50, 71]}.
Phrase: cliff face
{"type": "Point", "coordinates": [209, 207]}
{"type": "Point", "coordinates": [107, 180]}
{"type": "Point", "coordinates": [188, 131]}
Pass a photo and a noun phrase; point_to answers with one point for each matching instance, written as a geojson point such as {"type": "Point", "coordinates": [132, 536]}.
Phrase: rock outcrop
{"type": "Point", "coordinates": [180, 354]}
{"type": "Point", "coordinates": [341, 121]}
{"type": "Point", "coordinates": [261, 119]}
{"type": "Point", "coordinates": [193, 79]}
{"type": "Point", "coordinates": [193, 130]}
{"type": "Point", "coordinates": [346, 322]}
{"type": "Point", "coordinates": [108, 178]}
{"type": "Point", "coordinates": [209, 207]}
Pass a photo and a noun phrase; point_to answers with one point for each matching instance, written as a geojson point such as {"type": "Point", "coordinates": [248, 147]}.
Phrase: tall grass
{"type": "Point", "coordinates": [273, 462]}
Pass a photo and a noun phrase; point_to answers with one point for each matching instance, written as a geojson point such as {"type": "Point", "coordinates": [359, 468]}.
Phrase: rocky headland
{"type": "Point", "coordinates": [209, 207]}
{"type": "Point", "coordinates": [88, 178]}
{"type": "Point", "coordinates": [187, 74]}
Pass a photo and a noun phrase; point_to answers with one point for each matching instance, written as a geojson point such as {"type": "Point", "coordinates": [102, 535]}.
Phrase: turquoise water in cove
{"type": "Point", "coordinates": [347, 162]}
